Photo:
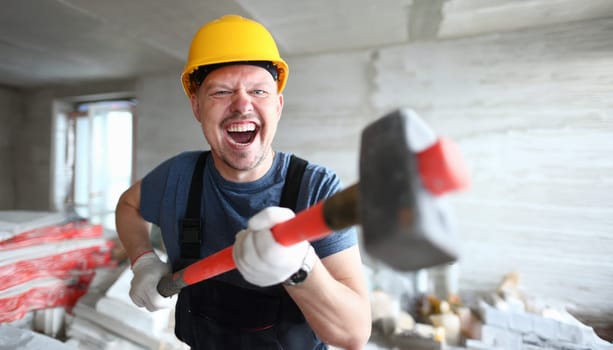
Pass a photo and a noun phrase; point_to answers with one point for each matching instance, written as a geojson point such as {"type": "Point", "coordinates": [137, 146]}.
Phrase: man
{"type": "Point", "coordinates": [299, 297]}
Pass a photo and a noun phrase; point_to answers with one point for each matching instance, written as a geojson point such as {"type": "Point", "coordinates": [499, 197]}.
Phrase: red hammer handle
{"type": "Point", "coordinates": [308, 225]}
{"type": "Point", "coordinates": [311, 224]}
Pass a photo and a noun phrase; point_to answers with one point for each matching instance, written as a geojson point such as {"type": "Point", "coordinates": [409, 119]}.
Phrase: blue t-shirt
{"type": "Point", "coordinates": [227, 206]}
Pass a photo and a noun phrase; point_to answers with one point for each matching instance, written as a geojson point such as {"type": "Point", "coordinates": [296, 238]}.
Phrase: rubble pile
{"type": "Point", "coordinates": [504, 319]}
{"type": "Point", "coordinates": [511, 320]}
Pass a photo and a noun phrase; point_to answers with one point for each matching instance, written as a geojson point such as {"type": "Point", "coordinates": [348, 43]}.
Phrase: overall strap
{"type": "Point", "coordinates": [295, 171]}
{"type": "Point", "coordinates": [195, 189]}
{"type": "Point", "coordinates": [191, 226]}
{"type": "Point", "coordinates": [207, 308]}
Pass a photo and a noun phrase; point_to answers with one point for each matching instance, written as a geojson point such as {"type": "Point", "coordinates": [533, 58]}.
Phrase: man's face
{"type": "Point", "coordinates": [239, 108]}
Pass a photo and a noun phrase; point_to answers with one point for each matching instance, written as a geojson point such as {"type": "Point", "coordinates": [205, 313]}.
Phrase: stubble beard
{"type": "Point", "coordinates": [244, 155]}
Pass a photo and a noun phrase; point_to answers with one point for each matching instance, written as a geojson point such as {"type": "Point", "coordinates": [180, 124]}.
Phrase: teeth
{"type": "Point", "coordinates": [241, 127]}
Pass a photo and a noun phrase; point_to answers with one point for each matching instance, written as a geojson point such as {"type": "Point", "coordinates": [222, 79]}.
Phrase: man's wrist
{"type": "Point", "coordinates": [303, 272]}
{"type": "Point", "coordinates": [139, 256]}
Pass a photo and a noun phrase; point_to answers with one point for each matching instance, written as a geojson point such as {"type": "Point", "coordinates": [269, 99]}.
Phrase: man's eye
{"type": "Point", "coordinates": [258, 92]}
{"type": "Point", "coordinates": [220, 93]}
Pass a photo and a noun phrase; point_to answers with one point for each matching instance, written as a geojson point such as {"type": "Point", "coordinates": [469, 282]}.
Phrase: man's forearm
{"type": "Point", "coordinates": [338, 311]}
{"type": "Point", "coordinates": [132, 229]}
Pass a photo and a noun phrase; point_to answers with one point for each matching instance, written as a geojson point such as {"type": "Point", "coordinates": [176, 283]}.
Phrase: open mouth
{"type": "Point", "coordinates": [242, 133]}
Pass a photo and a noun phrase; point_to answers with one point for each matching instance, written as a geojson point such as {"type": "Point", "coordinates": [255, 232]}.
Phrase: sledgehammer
{"type": "Point", "coordinates": [404, 168]}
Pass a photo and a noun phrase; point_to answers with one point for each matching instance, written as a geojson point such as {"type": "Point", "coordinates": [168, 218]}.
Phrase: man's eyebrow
{"type": "Point", "coordinates": [215, 84]}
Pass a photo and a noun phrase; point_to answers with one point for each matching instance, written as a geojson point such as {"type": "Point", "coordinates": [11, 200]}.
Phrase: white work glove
{"type": "Point", "coordinates": [259, 258]}
{"type": "Point", "coordinates": [148, 269]}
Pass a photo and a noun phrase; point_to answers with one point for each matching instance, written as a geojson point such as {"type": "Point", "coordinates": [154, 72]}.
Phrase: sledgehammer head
{"type": "Point", "coordinates": [404, 170]}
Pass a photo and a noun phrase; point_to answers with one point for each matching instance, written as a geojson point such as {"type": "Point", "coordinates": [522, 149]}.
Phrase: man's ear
{"type": "Point", "coordinates": [195, 106]}
{"type": "Point", "coordinates": [280, 106]}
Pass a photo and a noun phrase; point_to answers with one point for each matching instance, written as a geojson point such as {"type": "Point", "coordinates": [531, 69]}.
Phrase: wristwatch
{"type": "Point", "coordinates": [303, 272]}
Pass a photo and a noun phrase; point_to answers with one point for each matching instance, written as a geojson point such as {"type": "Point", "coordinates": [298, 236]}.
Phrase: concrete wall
{"type": "Point", "coordinates": [321, 120]}
{"type": "Point", "coordinates": [11, 112]}
{"type": "Point", "coordinates": [533, 115]}
{"type": "Point", "coordinates": [165, 122]}
{"type": "Point", "coordinates": [530, 110]}
{"type": "Point", "coordinates": [327, 103]}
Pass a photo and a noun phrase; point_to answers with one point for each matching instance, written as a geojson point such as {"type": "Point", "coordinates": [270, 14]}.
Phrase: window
{"type": "Point", "coordinates": [97, 158]}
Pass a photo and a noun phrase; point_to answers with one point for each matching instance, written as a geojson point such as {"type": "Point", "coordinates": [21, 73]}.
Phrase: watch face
{"type": "Point", "coordinates": [299, 276]}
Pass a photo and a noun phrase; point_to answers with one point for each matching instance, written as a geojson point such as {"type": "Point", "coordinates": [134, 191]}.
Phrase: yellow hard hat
{"type": "Point", "coordinates": [232, 38]}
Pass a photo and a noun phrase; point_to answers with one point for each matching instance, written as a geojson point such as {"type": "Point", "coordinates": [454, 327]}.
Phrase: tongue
{"type": "Point", "coordinates": [242, 137]}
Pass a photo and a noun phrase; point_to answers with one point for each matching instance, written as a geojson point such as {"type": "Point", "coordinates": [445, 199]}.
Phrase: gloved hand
{"type": "Point", "coordinates": [148, 269]}
{"type": "Point", "coordinates": [259, 258]}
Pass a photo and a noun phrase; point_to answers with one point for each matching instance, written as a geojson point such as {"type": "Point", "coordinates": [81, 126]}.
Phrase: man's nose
{"type": "Point", "coordinates": [242, 102]}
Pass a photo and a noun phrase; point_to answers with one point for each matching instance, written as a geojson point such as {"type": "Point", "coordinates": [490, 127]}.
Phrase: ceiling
{"type": "Point", "coordinates": [60, 41]}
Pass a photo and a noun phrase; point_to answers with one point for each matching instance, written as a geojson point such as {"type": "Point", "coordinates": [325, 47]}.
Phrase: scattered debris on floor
{"type": "Point", "coordinates": [511, 320]}
{"type": "Point", "coordinates": [503, 320]}
{"type": "Point", "coordinates": [64, 284]}
{"type": "Point", "coordinates": [106, 318]}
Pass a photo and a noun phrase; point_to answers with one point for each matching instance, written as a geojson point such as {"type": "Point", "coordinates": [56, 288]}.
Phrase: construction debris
{"type": "Point", "coordinates": [49, 266]}
{"type": "Point", "coordinates": [63, 279]}
{"type": "Point", "coordinates": [511, 320]}
{"type": "Point", "coordinates": [66, 280]}
{"type": "Point", "coordinates": [505, 319]}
